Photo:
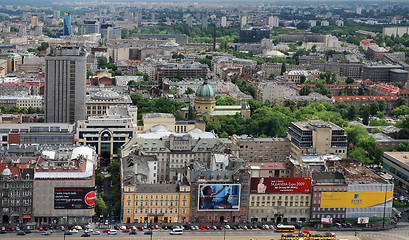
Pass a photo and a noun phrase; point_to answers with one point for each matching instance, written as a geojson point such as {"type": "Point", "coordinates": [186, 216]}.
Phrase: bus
{"type": "Point", "coordinates": [285, 228]}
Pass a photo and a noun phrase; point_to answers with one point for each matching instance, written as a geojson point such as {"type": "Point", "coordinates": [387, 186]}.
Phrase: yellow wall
{"type": "Point", "coordinates": [353, 199]}
{"type": "Point", "coordinates": [166, 207]}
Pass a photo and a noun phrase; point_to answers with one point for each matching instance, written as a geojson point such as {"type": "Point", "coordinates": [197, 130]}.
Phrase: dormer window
{"type": "Point", "coordinates": [27, 176]}
{"type": "Point", "coordinates": [15, 177]}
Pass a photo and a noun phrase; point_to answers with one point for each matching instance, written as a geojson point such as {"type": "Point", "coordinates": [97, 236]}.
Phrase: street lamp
{"type": "Point", "coordinates": [384, 206]}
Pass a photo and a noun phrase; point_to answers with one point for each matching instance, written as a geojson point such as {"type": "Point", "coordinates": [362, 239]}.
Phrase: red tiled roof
{"type": "Point", "coordinates": [389, 88]}
{"type": "Point", "coordinates": [14, 170]}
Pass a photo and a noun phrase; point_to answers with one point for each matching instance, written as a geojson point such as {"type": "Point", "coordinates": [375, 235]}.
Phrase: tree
{"type": "Point", "coordinates": [283, 68]}
{"type": "Point", "coordinates": [365, 112]}
{"type": "Point", "coordinates": [99, 179]}
{"type": "Point", "coordinates": [189, 91]}
{"type": "Point", "coordinates": [400, 101]}
{"type": "Point", "coordinates": [102, 62]}
{"type": "Point", "coordinates": [349, 80]}
{"type": "Point", "coordinates": [352, 113]}
{"type": "Point", "coordinates": [305, 90]}
{"type": "Point", "coordinates": [374, 108]}
{"type": "Point", "coordinates": [100, 206]}
{"type": "Point", "coordinates": [44, 46]}
{"type": "Point", "coordinates": [302, 79]}
{"type": "Point", "coordinates": [226, 101]}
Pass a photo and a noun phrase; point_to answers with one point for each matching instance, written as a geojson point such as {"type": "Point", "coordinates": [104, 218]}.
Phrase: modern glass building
{"type": "Point", "coordinates": [67, 29]}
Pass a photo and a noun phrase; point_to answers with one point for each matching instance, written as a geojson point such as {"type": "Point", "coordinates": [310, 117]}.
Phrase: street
{"type": "Point", "coordinates": [401, 232]}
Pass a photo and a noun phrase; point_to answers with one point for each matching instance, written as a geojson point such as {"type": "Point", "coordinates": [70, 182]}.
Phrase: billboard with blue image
{"type": "Point", "coordinates": [219, 197]}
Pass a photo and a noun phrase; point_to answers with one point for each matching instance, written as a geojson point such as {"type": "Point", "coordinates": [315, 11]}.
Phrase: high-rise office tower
{"type": "Point", "coordinates": [243, 21]}
{"type": "Point", "coordinates": [223, 21]}
{"type": "Point", "coordinates": [56, 14]}
{"type": "Point", "coordinates": [65, 84]}
{"type": "Point", "coordinates": [66, 27]}
{"type": "Point", "coordinates": [34, 21]}
{"type": "Point", "coordinates": [91, 26]}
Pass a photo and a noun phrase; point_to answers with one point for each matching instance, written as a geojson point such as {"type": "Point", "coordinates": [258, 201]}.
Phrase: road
{"type": "Point", "coordinates": [401, 232]}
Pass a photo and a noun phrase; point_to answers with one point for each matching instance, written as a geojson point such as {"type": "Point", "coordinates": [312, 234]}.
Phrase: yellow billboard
{"type": "Point", "coordinates": [353, 199]}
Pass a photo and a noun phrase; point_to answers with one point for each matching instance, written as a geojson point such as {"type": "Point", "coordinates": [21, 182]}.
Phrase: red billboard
{"type": "Point", "coordinates": [281, 185]}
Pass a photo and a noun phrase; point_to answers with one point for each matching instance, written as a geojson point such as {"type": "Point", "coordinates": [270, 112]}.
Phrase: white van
{"type": "Point", "coordinates": [177, 231]}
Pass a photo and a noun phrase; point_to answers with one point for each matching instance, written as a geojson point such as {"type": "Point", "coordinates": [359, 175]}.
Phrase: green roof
{"type": "Point", "coordinates": [229, 107]}
{"type": "Point", "coordinates": [205, 90]}
{"type": "Point", "coordinates": [224, 113]}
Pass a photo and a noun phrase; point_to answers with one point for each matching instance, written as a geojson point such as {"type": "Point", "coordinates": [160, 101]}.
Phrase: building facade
{"type": "Point", "coordinates": [263, 150]}
{"type": "Point", "coordinates": [156, 203]}
{"type": "Point", "coordinates": [65, 170]}
{"type": "Point", "coordinates": [65, 85]}
{"type": "Point", "coordinates": [316, 137]}
{"type": "Point", "coordinates": [16, 187]}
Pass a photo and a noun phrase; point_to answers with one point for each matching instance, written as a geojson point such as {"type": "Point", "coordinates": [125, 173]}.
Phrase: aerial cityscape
{"type": "Point", "coordinates": [168, 119]}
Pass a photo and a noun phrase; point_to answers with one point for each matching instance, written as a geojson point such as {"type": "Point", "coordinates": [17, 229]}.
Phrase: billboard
{"type": "Point", "coordinates": [363, 220]}
{"type": "Point", "coordinates": [74, 198]}
{"type": "Point", "coordinates": [326, 220]}
{"type": "Point", "coordinates": [281, 185]}
{"type": "Point", "coordinates": [353, 199]}
{"type": "Point", "coordinates": [219, 197]}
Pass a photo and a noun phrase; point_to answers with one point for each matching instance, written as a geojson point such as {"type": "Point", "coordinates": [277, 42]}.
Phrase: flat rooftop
{"type": "Point", "coordinates": [305, 126]}
{"type": "Point", "coordinates": [401, 156]}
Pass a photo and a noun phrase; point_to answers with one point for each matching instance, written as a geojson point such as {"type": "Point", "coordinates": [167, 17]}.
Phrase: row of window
{"type": "Point", "coordinates": [279, 198]}
{"type": "Point", "coordinates": [279, 204]}
{"type": "Point", "coordinates": [156, 203]}
{"type": "Point", "coordinates": [156, 210]}
{"type": "Point", "coordinates": [156, 196]}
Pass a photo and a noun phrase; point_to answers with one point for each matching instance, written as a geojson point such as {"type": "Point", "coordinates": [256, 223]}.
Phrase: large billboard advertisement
{"type": "Point", "coordinates": [74, 198]}
{"type": "Point", "coordinates": [353, 199]}
{"type": "Point", "coordinates": [219, 197]}
{"type": "Point", "coordinates": [281, 185]}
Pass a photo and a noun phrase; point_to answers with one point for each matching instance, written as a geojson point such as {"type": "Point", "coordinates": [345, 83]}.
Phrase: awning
{"type": "Point", "coordinates": [26, 216]}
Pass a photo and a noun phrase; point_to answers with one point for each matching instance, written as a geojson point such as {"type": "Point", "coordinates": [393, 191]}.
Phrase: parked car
{"type": "Point", "coordinates": [133, 232]}
{"type": "Point", "coordinates": [126, 230]}
{"type": "Point", "coordinates": [122, 228]}
{"type": "Point", "coordinates": [3, 232]}
{"type": "Point", "coordinates": [46, 233]}
{"type": "Point", "coordinates": [337, 225]}
{"type": "Point", "coordinates": [112, 232]}
{"type": "Point", "coordinates": [105, 230]}
{"type": "Point", "coordinates": [21, 233]}
{"type": "Point", "coordinates": [89, 230]}
{"type": "Point", "coordinates": [74, 230]}
{"type": "Point", "coordinates": [68, 233]}
{"type": "Point", "coordinates": [86, 235]}
{"type": "Point", "coordinates": [28, 231]}
{"type": "Point", "coordinates": [349, 225]}
{"type": "Point", "coordinates": [178, 231]}
{"type": "Point", "coordinates": [96, 233]}
{"type": "Point", "coordinates": [78, 227]}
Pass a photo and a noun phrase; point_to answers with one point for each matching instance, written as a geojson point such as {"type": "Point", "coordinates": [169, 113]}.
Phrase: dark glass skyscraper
{"type": "Point", "coordinates": [66, 27]}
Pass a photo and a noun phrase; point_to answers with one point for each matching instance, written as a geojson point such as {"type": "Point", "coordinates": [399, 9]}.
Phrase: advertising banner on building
{"type": "Point", "coordinates": [326, 220]}
{"type": "Point", "coordinates": [353, 199]}
{"type": "Point", "coordinates": [280, 185]}
{"type": "Point", "coordinates": [219, 197]}
{"type": "Point", "coordinates": [363, 220]}
{"type": "Point", "coordinates": [74, 198]}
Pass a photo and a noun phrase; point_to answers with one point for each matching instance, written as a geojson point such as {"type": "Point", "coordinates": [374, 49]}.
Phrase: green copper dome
{"type": "Point", "coordinates": [205, 90]}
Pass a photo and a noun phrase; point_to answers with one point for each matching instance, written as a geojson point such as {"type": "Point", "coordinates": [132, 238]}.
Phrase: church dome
{"type": "Point", "coordinates": [6, 172]}
{"type": "Point", "coordinates": [205, 90]}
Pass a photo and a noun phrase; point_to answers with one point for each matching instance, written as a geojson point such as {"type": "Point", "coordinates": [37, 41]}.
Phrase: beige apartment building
{"type": "Point", "coordinates": [262, 150]}
{"type": "Point", "coordinates": [279, 207]}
